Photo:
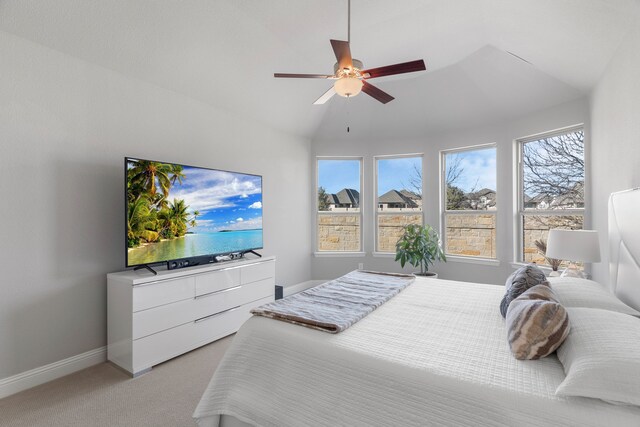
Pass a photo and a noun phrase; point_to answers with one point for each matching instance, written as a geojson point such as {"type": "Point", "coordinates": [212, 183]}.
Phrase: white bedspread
{"type": "Point", "coordinates": [436, 354]}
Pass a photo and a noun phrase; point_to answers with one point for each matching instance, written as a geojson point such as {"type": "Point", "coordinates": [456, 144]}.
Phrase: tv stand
{"type": "Point", "coordinates": [151, 319]}
{"type": "Point", "coordinates": [145, 266]}
{"type": "Point", "coordinates": [252, 252]}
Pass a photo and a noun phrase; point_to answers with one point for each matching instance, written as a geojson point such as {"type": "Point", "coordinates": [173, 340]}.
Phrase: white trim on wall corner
{"type": "Point", "coordinates": [52, 371]}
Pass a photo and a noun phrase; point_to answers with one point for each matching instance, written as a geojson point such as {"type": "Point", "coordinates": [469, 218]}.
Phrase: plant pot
{"type": "Point", "coordinates": [427, 274]}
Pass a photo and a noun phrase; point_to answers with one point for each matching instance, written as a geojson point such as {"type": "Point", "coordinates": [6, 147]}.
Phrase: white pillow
{"type": "Point", "coordinates": [577, 292]}
{"type": "Point", "coordinates": [601, 356]}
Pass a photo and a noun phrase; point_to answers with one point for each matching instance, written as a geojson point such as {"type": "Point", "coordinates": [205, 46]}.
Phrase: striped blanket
{"type": "Point", "coordinates": [334, 306]}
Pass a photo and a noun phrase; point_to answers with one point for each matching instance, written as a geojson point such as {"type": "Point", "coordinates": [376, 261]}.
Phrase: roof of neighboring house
{"type": "Point", "coordinates": [486, 192]}
{"type": "Point", "coordinates": [410, 194]}
{"type": "Point", "coordinates": [572, 198]}
{"type": "Point", "coordinates": [541, 198]}
{"type": "Point", "coordinates": [346, 196]}
{"type": "Point", "coordinates": [575, 196]}
{"type": "Point", "coordinates": [395, 196]}
{"type": "Point", "coordinates": [473, 198]}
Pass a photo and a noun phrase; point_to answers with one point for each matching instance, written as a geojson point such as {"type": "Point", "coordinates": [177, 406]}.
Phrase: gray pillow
{"type": "Point", "coordinates": [576, 292]}
{"type": "Point", "coordinates": [519, 281]}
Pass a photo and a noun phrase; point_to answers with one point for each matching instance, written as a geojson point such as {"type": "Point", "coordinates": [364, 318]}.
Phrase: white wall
{"type": "Point", "coordinates": [65, 126]}
{"type": "Point", "coordinates": [503, 134]}
{"type": "Point", "coordinates": [615, 113]}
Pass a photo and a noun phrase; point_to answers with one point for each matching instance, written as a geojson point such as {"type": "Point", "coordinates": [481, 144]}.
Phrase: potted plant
{"type": "Point", "coordinates": [419, 246]}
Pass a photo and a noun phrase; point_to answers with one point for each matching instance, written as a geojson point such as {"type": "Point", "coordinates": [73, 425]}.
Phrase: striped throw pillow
{"type": "Point", "coordinates": [536, 323]}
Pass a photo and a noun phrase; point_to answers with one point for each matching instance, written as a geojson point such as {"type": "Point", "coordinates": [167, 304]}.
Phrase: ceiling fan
{"type": "Point", "coordinates": [349, 75]}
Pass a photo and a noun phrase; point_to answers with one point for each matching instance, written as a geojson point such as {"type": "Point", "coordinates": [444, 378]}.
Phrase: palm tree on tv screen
{"type": "Point", "coordinates": [149, 176]}
{"type": "Point", "coordinates": [141, 223]}
{"type": "Point", "coordinates": [150, 215]}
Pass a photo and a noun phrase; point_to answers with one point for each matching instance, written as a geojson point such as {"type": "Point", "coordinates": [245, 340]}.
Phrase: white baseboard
{"type": "Point", "coordinates": [52, 371]}
{"type": "Point", "coordinates": [299, 287]}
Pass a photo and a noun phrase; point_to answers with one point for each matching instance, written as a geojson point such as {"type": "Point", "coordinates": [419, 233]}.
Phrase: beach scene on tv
{"type": "Point", "coordinates": [176, 211]}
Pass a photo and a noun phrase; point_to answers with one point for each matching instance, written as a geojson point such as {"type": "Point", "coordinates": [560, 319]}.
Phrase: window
{"type": "Point", "coordinates": [398, 198]}
{"type": "Point", "coordinates": [469, 201]}
{"type": "Point", "coordinates": [339, 216]}
{"type": "Point", "coordinates": [551, 188]}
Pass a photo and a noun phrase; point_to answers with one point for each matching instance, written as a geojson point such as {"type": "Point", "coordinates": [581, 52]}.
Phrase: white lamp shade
{"type": "Point", "coordinates": [573, 245]}
{"type": "Point", "coordinates": [348, 86]}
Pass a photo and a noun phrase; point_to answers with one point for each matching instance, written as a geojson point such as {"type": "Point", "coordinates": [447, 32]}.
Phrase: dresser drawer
{"type": "Point", "coordinates": [232, 297]}
{"type": "Point", "coordinates": [217, 281]}
{"type": "Point", "coordinates": [225, 323]}
{"type": "Point", "coordinates": [255, 272]}
{"type": "Point", "coordinates": [147, 322]}
{"type": "Point", "coordinates": [156, 348]}
{"type": "Point", "coordinates": [156, 294]}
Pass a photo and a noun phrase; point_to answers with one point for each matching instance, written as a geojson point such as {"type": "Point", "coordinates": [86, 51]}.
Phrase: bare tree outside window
{"type": "Point", "coordinates": [469, 182]}
{"type": "Point", "coordinates": [554, 170]}
{"type": "Point", "coordinates": [455, 196]}
{"type": "Point", "coordinates": [552, 188]}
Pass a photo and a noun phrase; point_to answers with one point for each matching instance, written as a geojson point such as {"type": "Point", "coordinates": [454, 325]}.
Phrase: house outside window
{"type": "Point", "coordinates": [338, 201]}
{"type": "Point", "coordinates": [551, 188]}
{"type": "Point", "coordinates": [398, 189]}
{"type": "Point", "coordinates": [469, 201]}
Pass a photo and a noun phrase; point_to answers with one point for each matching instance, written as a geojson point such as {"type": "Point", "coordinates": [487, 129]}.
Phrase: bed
{"type": "Point", "coordinates": [435, 354]}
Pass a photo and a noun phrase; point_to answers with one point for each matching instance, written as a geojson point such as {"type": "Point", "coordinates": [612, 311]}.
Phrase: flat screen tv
{"type": "Point", "coordinates": [176, 211]}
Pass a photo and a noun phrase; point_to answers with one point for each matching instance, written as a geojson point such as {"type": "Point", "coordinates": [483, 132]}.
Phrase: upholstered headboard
{"type": "Point", "coordinates": [624, 245]}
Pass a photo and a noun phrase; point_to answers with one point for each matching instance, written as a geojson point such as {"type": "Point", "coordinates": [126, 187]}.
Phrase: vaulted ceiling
{"type": "Point", "coordinates": [487, 60]}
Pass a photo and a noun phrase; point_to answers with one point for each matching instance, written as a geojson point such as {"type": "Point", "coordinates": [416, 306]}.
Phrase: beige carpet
{"type": "Point", "coordinates": [104, 396]}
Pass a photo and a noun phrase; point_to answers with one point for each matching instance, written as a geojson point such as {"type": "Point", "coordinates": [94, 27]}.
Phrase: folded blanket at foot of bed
{"type": "Point", "coordinates": [336, 305]}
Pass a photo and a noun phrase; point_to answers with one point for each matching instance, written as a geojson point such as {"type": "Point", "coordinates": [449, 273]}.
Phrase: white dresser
{"type": "Point", "coordinates": [151, 319]}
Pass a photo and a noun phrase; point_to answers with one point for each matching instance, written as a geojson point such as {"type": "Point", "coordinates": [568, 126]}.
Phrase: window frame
{"type": "Point", "coordinates": [520, 211]}
{"type": "Point", "coordinates": [317, 252]}
{"type": "Point", "coordinates": [376, 252]}
{"type": "Point", "coordinates": [444, 211]}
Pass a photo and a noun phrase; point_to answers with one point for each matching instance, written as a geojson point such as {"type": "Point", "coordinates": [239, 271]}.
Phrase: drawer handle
{"type": "Point", "coordinates": [218, 292]}
{"type": "Point", "coordinates": [202, 319]}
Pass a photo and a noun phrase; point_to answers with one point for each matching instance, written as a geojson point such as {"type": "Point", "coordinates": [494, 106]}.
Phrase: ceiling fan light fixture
{"type": "Point", "coordinates": [349, 74]}
{"type": "Point", "coordinates": [348, 86]}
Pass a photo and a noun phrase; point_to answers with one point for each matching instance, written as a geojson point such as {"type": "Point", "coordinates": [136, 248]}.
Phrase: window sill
{"type": "Point", "coordinates": [469, 260]}
{"type": "Point", "coordinates": [383, 254]}
{"type": "Point", "coordinates": [329, 254]}
{"type": "Point", "coordinates": [517, 264]}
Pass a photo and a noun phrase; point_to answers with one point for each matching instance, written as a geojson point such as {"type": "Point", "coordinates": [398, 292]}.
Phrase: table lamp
{"type": "Point", "coordinates": [573, 246]}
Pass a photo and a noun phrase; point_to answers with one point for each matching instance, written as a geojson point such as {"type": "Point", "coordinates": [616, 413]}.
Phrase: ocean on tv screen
{"type": "Point", "coordinates": [176, 211]}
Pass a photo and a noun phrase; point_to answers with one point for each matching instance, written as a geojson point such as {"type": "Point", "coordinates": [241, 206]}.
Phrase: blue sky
{"type": "Point", "coordinates": [334, 175]}
{"type": "Point", "coordinates": [478, 166]}
{"type": "Point", "coordinates": [225, 200]}
{"type": "Point", "coordinates": [396, 174]}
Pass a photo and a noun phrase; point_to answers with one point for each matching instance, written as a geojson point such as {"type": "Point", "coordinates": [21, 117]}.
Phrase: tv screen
{"type": "Point", "coordinates": [176, 211]}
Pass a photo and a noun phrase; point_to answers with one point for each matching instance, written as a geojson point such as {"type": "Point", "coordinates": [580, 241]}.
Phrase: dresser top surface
{"type": "Point", "coordinates": [141, 276]}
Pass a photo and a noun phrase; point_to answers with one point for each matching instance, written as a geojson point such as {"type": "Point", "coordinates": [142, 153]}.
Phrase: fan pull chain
{"type": "Point", "coordinates": [348, 113]}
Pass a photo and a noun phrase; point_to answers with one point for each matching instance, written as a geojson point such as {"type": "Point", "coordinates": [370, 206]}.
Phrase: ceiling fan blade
{"type": "Point", "coordinates": [376, 93]}
{"type": "Point", "coordinates": [325, 96]}
{"type": "Point", "coordinates": [304, 76]}
{"type": "Point", "coordinates": [389, 70]}
{"type": "Point", "coordinates": [343, 53]}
